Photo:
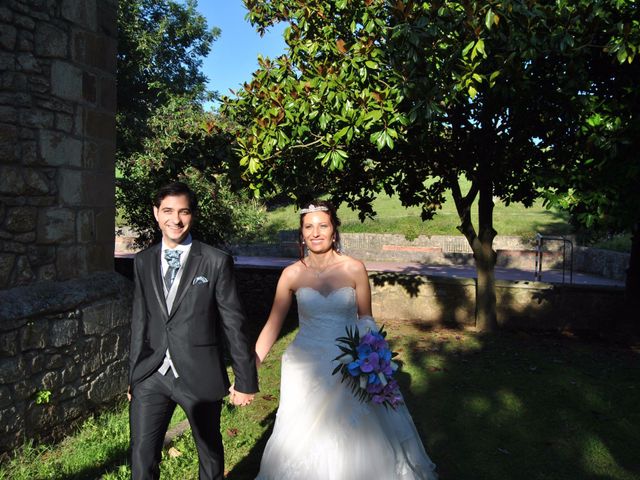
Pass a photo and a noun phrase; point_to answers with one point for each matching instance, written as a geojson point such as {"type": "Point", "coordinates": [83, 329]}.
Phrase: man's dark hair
{"type": "Point", "coordinates": [175, 189]}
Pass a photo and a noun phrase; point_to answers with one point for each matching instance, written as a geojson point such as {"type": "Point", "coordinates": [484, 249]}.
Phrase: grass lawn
{"type": "Point", "coordinates": [393, 217]}
{"type": "Point", "coordinates": [501, 406]}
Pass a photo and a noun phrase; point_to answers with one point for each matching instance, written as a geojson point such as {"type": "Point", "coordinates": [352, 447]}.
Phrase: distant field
{"type": "Point", "coordinates": [392, 217]}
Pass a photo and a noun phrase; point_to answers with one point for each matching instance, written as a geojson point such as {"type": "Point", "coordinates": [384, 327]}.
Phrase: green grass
{"type": "Point", "coordinates": [391, 216]}
{"type": "Point", "coordinates": [505, 406]}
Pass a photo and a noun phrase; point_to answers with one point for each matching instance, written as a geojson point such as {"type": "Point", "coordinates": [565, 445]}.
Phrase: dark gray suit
{"type": "Point", "coordinates": [206, 317]}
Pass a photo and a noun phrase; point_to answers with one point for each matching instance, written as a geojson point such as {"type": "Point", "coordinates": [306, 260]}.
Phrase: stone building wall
{"type": "Point", "coordinates": [57, 138]}
{"type": "Point", "coordinates": [64, 312]}
{"type": "Point", "coordinates": [64, 354]}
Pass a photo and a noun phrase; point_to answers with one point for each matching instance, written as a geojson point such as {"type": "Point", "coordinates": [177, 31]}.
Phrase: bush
{"type": "Point", "coordinates": [192, 146]}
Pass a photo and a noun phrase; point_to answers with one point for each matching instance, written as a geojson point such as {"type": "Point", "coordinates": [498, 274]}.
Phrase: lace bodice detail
{"type": "Point", "coordinates": [323, 317]}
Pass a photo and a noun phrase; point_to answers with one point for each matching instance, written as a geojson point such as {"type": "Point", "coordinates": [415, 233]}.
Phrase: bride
{"type": "Point", "coordinates": [322, 430]}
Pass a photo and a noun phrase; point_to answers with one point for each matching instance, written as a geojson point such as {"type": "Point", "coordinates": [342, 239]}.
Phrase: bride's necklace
{"type": "Point", "coordinates": [318, 271]}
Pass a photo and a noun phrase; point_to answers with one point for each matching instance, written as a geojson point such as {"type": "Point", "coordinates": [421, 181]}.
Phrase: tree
{"type": "Point", "coordinates": [409, 97]}
{"type": "Point", "coordinates": [185, 143]}
{"type": "Point", "coordinates": [161, 44]}
{"type": "Point", "coordinates": [600, 188]}
{"type": "Point", "coordinates": [163, 132]}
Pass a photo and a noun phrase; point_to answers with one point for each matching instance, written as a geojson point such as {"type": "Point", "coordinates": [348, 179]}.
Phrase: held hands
{"type": "Point", "coordinates": [239, 398]}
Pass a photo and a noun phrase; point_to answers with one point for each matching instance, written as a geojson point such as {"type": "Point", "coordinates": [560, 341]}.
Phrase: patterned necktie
{"type": "Point", "coordinates": [173, 260]}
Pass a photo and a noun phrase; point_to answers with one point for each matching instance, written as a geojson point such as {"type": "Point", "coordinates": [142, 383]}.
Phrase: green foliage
{"type": "Point", "coordinates": [163, 133]}
{"type": "Point", "coordinates": [599, 187]}
{"type": "Point", "coordinates": [43, 396]}
{"type": "Point", "coordinates": [188, 144]}
{"type": "Point", "coordinates": [161, 44]}
{"type": "Point", "coordinates": [382, 96]}
{"type": "Point", "coordinates": [616, 243]}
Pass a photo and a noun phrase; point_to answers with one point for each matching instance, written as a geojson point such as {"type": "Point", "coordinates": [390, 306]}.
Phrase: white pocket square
{"type": "Point", "coordinates": [199, 281]}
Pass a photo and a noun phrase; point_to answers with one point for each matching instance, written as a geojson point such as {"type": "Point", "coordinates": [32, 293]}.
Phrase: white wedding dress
{"type": "Point", "coordinates": [322, 431]}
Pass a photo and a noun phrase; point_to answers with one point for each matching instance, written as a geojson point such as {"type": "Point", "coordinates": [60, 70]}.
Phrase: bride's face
{"type": "Point", "coordinates": [317, 231]}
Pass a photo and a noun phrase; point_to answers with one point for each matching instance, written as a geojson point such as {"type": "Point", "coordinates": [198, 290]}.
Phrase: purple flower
{"type": "Point", "coordinates": [379, 342]}
{"type": "Point", "coordinates": [370, 363]}
{"type": "Point", "coordinates": [374, 388]}
{"type": "Point", "coordinates": [368, 339]}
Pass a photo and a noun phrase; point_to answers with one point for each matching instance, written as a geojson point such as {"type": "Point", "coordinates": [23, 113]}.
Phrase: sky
{"type": "Point", "coordinates": [233, 56]}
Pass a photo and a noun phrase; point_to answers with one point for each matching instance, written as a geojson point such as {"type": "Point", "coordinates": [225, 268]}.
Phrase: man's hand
{"type": "Point", "coordinates": [129, 393]}
{"type": "Point", "coordinates": [240, 399]}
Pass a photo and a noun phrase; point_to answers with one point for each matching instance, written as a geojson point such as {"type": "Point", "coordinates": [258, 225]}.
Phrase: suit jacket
{"type": "Point", "coordinates": [204, 314]}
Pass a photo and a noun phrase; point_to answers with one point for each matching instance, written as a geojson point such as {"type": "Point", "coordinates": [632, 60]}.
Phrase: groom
{"type": "Point", "coordinates": [185, 311]}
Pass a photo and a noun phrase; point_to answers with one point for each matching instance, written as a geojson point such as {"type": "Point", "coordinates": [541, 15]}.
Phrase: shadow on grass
{"type": "Point", "coordinates": [509, 405]}
{"type": "Point", "coordinates": [559, 225]}
{"type": "Point", "coordinates": [112, 460]}
{"type": "Point", "coordinates": [518, 405]}
{"type": "Point", "coordinates": [248, 467]}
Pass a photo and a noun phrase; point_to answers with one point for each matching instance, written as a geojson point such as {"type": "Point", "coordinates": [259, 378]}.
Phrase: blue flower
{"type": "Point", "coordinates": [385, 353]}
{"type": "Point", "coordinates": [354, 368]}
{"type": "Point", "coordinates": [363, 351]}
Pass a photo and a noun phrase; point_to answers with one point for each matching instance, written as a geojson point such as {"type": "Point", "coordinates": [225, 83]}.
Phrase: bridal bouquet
{"type": "Point", "coordinates": [366, 364]}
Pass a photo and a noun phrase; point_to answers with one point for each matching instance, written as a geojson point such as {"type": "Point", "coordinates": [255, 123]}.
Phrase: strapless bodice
{"type": "Point", "coordinates": [323, 316]}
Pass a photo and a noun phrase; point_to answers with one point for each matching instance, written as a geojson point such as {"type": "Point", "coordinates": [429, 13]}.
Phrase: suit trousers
{"type": "Point", "coordinates": [152, 404]}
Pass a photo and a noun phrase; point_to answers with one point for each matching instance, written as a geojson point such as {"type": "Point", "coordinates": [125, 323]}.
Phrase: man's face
{"type": "Point", "coordinates": [174, 219]}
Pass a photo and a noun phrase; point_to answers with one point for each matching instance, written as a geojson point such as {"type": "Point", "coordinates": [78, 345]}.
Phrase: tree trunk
{"type": "Point", "coordinates": [632, 287]}
{"type": "Point", "coordinates": [482, 246]}
{"type": "Point", "coordinates": [485, 257]}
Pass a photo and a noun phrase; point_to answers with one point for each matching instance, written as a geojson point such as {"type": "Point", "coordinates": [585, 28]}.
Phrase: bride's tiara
{"type": "Point", "coordinates": [313, 208]}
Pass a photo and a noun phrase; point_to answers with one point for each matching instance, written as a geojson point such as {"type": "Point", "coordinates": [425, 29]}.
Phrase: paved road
{"type": "Point", "coordinates": [456, 271]}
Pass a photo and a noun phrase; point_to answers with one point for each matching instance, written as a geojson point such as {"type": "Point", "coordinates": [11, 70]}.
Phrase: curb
{"type": "Point", "coordinates": [174, 432]}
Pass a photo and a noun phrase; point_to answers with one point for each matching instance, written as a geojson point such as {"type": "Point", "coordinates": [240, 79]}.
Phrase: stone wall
{"type": "Point", "coordinates": [67, 341]}
{"type": "Point", "coordinates": [57, 139]}
{"type": "Point", "coordinates": [540, 306]}
{"type": "Point", "coordinates": [257, 288]}
{"type": "Point", "coordinates": [512, 252]}
{"type": "Point", "coordinates": [445, 301]}
{"type": "Point", "coordinates": [520, 305]}
{"type": "Point", "coordinates": [601, 262]}
{"type": "Point", "coordinates": [64, 312]}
